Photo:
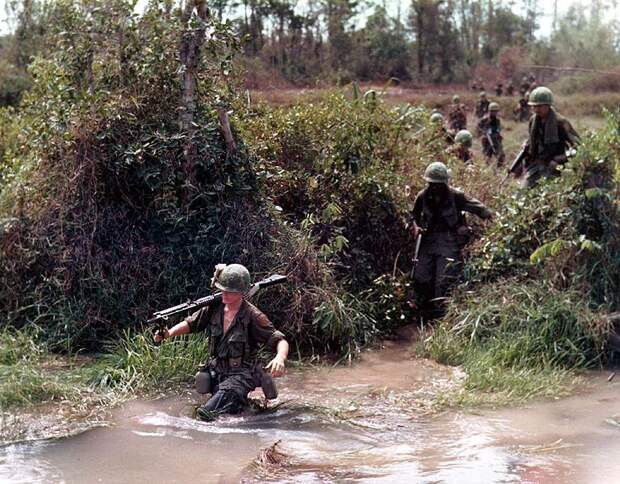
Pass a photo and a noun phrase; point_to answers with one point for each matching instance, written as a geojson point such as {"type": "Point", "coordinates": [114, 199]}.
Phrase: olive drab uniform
{"type": "Point", "coordinates": [457, 117]}
{"type": "Point", "coordinates": [234, 354]}
{"type": "Point", "coordinates": [490, 129]}
{"type": "Point", "coordinates": [482, 107]}
{"type": "Point", "coordinates": [445, 234]}
{"type": "Point", "coordinates": [548, 141]}
{"type": "Point", "coordinates": [461, 152]}
{"type": "Point", "coordinates": [522, 109]}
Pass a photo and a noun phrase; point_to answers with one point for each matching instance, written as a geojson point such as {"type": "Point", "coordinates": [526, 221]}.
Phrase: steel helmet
{"type": "Point", "coordinates": [540, 96]}
{"type": "Point", "coordinates": [464, 137]}
{"type": "Point", "coordinates": [483, 94]}
{"type": "Point", "coordinates": [456, 99]}
{"type": "Point", "coordinates": [436, 118]}
{"type": "Point", "coordinates": [231, 278]}
{"type": "Point", "coordinates": [437, 172]}
{"type": "Point", "coordinates": [494, 107]}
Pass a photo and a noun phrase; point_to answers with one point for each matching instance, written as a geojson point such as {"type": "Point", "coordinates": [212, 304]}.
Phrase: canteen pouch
{"type": "Point", "coordinates": [204, 381]}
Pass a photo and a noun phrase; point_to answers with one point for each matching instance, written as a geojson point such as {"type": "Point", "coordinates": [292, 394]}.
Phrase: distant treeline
{"type": "Point", "coordinates": [337, 41]}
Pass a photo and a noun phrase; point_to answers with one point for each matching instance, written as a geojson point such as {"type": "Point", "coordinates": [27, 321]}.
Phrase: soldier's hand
{"type": "Point", "coordinates": [159, 336]}
{"type": "Point", "coordinates": [276, 366]}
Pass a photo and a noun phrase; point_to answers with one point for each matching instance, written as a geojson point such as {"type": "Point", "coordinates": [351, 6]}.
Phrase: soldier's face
{"type": "Point", "coordinates": [437, 190]}
{"type": "Point", "coordinates": [542, 110]}
{"type": "Point", "coordinates": [231, 297]}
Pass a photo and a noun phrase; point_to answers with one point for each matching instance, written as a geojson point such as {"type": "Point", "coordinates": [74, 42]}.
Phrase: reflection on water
{"type": "Point", "coordinates": [345, 425]}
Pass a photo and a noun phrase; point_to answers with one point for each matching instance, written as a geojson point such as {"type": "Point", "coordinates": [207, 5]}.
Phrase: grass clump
{"type": "Point", "coordinates": [539, 284]}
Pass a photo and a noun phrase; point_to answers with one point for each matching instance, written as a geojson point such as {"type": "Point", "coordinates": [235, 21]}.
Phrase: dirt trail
{"type": "Point", "coordinates": [366, 423]}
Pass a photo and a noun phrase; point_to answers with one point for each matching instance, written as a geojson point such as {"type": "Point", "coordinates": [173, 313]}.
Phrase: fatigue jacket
{"type": "Point", "coordinates": [238, 347]}
{"type": "Point", "coordinates": [549, 139]}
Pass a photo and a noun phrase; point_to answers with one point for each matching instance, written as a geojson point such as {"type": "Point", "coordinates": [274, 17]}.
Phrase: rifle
{"type": "Point", "coordinates": [160, 318]}
{"type": "Point", "coordinates": [418, 241]}
{"type": "Point", "coordinates": [490, 141]}
{"type": "Point", "coordinates": [516, 164]}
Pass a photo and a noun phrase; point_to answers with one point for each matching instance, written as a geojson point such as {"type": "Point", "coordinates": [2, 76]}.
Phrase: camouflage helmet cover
{"type": "Point", "coordinates": [494, 107]}
{"type": "Point", "coordinates": [541, 96]}
{"type": "Point", "coordinates": [231, 278]}
{"type": "Point", "coordinates": [464, 137]}
{"type": "Point", "coordinates": [437, 172]}
{"type": "Point", "coordinates": [436, 118]}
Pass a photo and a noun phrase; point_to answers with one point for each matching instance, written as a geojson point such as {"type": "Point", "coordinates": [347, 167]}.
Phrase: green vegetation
{"type": "Point", "coordinates": [113, 204]}
{"type": "Point", "coordinates": [540, 283]}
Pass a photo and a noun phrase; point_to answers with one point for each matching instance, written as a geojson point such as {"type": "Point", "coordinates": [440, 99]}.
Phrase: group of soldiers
{"type": "Point", "coordinates": [460, 139]}
{"type": "Point", "coordinates": [237, 330]}
{"type": "Point", "coordinates": [528, 83]}
{"type": "Point", "coordinates": [438, 222]}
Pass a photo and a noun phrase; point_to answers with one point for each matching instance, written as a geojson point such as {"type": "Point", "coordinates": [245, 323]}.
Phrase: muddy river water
{"type": "Point", "coordinates": [365, 423]}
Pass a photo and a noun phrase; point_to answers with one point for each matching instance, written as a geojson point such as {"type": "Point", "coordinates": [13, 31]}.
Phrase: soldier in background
{"type": "Point", "coordinates": [438, 124]}
{"type": "Point", "coordinates": [482, 106]}
{"type": "Point", "coordinates": [550, 136]}
{"type": "Point", "coordinates": [510, 88]}
{"type": "Point", "coordinates": [490, 128]}
{"type": "Point", "coordinates": [461, 148]}
{"type": "Point", "coordinates": [499, 89]}
{"type": "Point", "coordinates": [457, 116]}
{"type": "Point", "coordinates": [438, 214]}
{"type": "Point", "coordinates": [522, 109]}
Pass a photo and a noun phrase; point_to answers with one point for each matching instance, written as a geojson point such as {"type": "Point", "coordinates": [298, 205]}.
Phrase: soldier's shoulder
{"type": "Point", "coordinates": [256, 314]}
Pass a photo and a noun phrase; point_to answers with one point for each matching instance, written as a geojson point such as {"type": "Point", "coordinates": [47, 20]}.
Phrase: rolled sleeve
{"type": "Point", "coordinates": [198, 321]}
{"type": "Point", "coordinates": [263, 330]}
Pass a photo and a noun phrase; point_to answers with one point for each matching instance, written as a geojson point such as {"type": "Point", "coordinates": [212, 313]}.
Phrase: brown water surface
{"type": "Point", "coordinates": [365, 423]}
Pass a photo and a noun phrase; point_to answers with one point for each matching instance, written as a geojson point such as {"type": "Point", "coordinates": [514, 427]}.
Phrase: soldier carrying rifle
{"type": "Point", "coordinates": [550, 143]}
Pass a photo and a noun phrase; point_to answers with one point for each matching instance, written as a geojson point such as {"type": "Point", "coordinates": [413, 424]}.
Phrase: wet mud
{"type": "Point", "coordinates": [371, 422]}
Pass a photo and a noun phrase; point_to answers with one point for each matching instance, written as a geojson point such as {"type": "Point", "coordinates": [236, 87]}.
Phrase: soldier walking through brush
{"type": "Point", "coordinates": [550, 137]}
{"type": "Point", "coordinates": [457, 116]}
{"type": "Point", "coordinates": [482, 106]}
{"type": "Point", "coordinates": [438, 215]}
{"type": "Point", "coordinates": [490, 129]}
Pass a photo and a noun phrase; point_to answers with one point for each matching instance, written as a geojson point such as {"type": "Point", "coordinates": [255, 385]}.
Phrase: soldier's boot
{"type": "Point", "coordinates": [223, 401]}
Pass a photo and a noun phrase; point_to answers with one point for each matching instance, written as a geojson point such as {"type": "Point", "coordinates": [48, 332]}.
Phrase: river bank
{"type": "Point", "coordinates": [374, 421]}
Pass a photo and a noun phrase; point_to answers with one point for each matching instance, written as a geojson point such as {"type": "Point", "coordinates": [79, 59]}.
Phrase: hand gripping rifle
{"type": "Point", "coordinates": [517, 164]}
{"type": "Point", "coordinates": [160, 318]}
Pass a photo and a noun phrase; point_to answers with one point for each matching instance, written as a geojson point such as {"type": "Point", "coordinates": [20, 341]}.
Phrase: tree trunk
{"type": "Point", "coordinates": [191, 43]}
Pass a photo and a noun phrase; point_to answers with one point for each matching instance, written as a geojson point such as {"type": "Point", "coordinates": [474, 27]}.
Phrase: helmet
{"type": "Point", "coordinates": [464, 137]}
{"type": "Point", "coordinates": [541, 95]}
{"type": "Point", "coordinates": [231, 278]}
{"type": "Point", "coordinates": [494, 107]}
{"type": "Point", "coordinates": [436, 118]}
{"type": "Point", "coordinates": [483, 94]}
{"type": "Point", "coordinates": [456, 99]}
{"type": "Point", "coordinates": [437, 172]}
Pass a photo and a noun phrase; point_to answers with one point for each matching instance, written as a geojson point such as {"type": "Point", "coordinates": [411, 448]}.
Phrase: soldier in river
{"type": "Point", "coordinates": [439, 217]}
{"type": "Point", "coordinates": [461, 148]}
{"type": "Point", "coordinates": [236, 330]}
{"type": "Point", "coordinates": [457, 116]}
{"type": "Point", "coordinates": [490, 129]}
{"type": "Point", "coordinates": [482, 106]}
{"type": "Point", "coordinates": [550, 137]}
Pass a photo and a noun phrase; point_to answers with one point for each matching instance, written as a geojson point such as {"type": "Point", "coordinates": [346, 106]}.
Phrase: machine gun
{"type": "Point", "coordinates": [160, 318]}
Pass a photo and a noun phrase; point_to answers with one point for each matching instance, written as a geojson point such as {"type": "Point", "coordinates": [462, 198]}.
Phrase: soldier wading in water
{"type": "Point", "coordinates": [438, 213]}
{"type": "Point", "coordinates": [236, 329]}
